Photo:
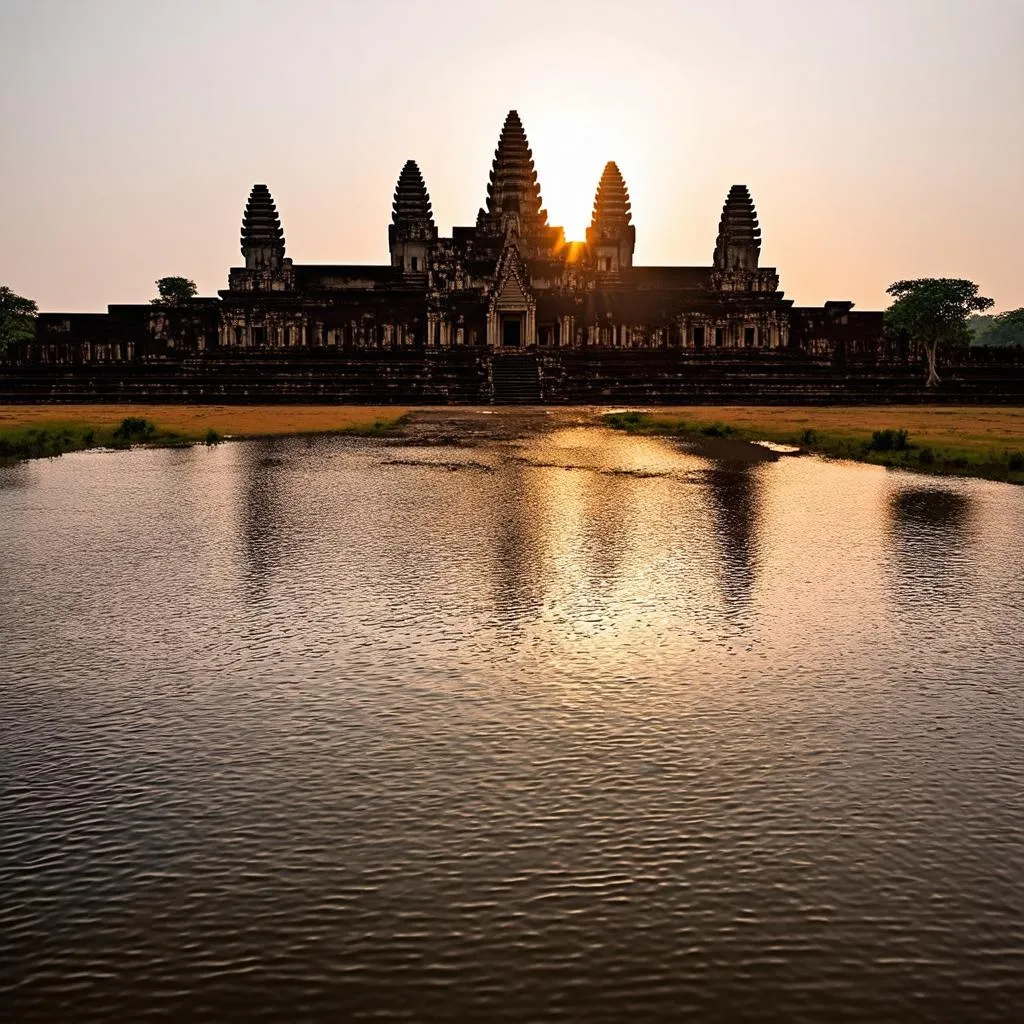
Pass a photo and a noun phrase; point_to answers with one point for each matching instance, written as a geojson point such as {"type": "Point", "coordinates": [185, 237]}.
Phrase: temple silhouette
{"type": "Point", "coordinates": [505, 309]}
{"type": "Point", "coordinates": [513, 282]}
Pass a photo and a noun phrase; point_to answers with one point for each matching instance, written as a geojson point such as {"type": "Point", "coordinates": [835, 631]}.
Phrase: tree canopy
{"type": "Point", "coordinates": [17, 318]}
{"type": "Point", "coordinates": [933, 311]}
{"type": "Point", "coordinates": [1001, 329]}
{"type": "Point", "coordinates": [174, 291]}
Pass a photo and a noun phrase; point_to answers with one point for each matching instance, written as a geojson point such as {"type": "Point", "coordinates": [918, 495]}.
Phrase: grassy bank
{"type": "Point", "coordinates": [956, 440]}
{"type": "Point", "coordinates": [44, 431]}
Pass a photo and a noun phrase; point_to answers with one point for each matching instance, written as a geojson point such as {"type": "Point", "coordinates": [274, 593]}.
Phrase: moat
{"type": "Point", "coordinates": [541, 722]}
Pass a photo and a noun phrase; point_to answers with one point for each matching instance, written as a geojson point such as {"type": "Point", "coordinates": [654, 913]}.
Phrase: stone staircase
{"type": "Point", "coordinates": [516, 380]}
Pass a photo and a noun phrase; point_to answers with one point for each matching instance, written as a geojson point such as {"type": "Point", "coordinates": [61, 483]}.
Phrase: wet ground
{"type": "Point", "coordinates": [469, 426]}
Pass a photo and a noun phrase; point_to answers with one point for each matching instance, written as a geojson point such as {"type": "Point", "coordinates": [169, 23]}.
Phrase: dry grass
{"type": "Point", "coordinates": [968, 427]}
{"type": "Point", "coordinates": [194, 421]}
{"type": "Point", "coordinates": [985, 441]}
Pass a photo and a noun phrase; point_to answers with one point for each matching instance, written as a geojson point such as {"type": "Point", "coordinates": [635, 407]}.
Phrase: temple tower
{"type": "Point", "coordinates": [739, 238]}
{"type": "Point", "coordinates": [611, 237]}
{"type": "Point", "coordinates": [513, 193]}
{"type": "Point", "coordinates": [262, 236]}
{"type": "Point", "coordinates": [412, 230]}
{"type": "Point", "coordinates": [738, 248]}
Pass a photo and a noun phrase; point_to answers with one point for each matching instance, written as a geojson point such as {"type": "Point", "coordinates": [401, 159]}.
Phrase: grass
{"type": "Point", "coordinates": [982, 441]}
{"type": "Point", "coordinates": [45, 431]}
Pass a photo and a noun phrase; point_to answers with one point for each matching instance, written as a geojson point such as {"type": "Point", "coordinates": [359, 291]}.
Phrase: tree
{"type": "Point", "coordinates": [174, 291]}
{"type": "Point", "coordinates": [978, 325]}
{"type": "Point", "coordinates": [1003, 329]}
{"type": "Point", "coordinates": [933, 311]}
{"type": "Point", "coordinates": [17, 318]}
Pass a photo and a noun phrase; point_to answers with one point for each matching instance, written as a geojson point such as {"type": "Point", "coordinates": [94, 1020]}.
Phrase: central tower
{"type": "Point", "coordinates": [514, 208]}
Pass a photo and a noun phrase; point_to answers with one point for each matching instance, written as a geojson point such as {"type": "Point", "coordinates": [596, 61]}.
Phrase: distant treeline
{"type": "Point", "coordinates": [997, 329]}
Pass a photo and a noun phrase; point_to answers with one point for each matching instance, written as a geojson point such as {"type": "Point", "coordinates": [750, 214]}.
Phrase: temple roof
{"type": "Point", "coordinates": [611, 204]}
{"type": "Point", "coordinates": [260, 224]}
{"type": "Point", "coordinates": [669, 278]}
{"type": "Point", "coordinates": [411, 202]}
{"type": "Point", "coordinates": [739, 237]}
{"type": "Point", "coordinates": [345, 277]}
{"type": "Point", "coordinates": [513, 188]}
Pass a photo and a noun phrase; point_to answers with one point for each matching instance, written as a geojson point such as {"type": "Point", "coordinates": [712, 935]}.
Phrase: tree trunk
{"type": "Point", "coordinates": [934, 380]}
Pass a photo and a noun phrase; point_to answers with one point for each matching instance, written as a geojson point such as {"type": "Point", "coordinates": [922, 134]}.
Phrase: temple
{"type": "Point", "coordinates": [509, 284]}
{"type": "Point", "coordinates": [512, 282]}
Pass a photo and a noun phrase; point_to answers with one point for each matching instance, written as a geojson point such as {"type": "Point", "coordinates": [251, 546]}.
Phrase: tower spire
{"type": "Point", "coordinates": [611, 203]}
{"type": "Point", "coordinates": [611, 235]}
{"type": "Point", "coordinates": [412, 228]}
{"type": "Point", "coordinates": [262, 235]}
{"type": "Point", "coordinates": [739, 237]}
{"type": "Point", "coordinates": [513, 193]}
{"type": "Point", "coordinates": [411, 205]}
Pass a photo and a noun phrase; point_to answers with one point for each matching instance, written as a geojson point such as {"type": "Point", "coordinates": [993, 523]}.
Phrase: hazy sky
{"type": "Point", "coordinates": [880, 138]}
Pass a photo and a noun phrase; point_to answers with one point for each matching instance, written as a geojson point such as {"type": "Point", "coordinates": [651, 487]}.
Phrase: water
{"type": "Point", "coordinates": [571, 727]}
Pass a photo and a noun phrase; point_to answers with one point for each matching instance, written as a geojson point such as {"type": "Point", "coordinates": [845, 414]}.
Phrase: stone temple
{"type": "Point", "coordinates": [504, 309]}
{"type": "Point", "coordinates": [512, 282]}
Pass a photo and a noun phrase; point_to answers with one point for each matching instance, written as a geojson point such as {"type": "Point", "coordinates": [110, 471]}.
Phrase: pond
{"type": "Point", "coordinates": [561, 725]}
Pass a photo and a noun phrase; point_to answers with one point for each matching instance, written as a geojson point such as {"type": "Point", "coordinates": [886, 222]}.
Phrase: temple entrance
{"type": "Point", "coordinates": [511, 331]}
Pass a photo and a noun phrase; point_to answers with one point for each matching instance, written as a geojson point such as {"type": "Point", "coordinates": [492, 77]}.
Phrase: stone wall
{"type": "Point", "coordinates": [766, 378]}
{"type": "Point", "coordinates": [567, 376]}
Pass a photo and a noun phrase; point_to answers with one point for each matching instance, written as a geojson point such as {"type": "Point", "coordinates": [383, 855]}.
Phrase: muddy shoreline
{"type": "Point", "coordinates": [464, 427]}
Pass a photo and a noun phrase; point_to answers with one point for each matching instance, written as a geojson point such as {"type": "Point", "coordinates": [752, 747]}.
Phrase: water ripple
{"type": "Point", "coordinates": [352, 731]}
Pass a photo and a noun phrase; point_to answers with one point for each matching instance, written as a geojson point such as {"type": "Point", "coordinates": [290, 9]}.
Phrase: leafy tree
{"type": "Point", "coordinates": [1003, 329]}
{"type": "Point", "coordinates": [174, 291]}
{"type": "Point", "coordinates": [17, 318]}
{"type": "Point", "coordinates": [934, 312]}
{"type": "Point", "coordinates": [978, 325]}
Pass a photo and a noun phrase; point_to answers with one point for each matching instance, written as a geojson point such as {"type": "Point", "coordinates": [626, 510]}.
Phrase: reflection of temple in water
{"type": "Point", "coordinates": [519, 525]}
{"type": "Point", "coordinates": [260, 511]}
{"type": "Point", "coordinates": [563, 526]}
{"type": "Point", "coordinates": [735, 499]}
{"type": "Point", "coordinates": [931, 531]}
{"type": "Point", "coordinates": [594, 531]}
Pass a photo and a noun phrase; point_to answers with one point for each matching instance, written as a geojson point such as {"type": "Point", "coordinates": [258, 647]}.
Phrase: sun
{"type": "Point", "coordinates": [569, 159]}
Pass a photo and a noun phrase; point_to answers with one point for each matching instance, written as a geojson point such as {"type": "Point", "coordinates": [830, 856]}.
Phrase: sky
{"type": "Point", "coordinates": [880, 139]}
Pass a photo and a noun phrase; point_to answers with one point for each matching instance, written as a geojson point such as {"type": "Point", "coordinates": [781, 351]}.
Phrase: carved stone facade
{"type": "Point", "coordinates": [509, 283]}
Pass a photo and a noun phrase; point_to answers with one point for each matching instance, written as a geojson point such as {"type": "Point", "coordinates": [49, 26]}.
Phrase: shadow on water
{"type": "Point", "coordinates": [735, 494]}
{"type": "Point", "coordinates": [260, 510]}
{"type": "Point", "coordinates": [517, 584]}
{"type": "Point", "coordinates": [16, 476]}
{"type": "Point", "coordinates": [931, 531]}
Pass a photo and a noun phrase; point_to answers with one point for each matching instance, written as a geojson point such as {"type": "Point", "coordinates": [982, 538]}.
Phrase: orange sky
{"type": "Point", "coordinates": [880, 140]}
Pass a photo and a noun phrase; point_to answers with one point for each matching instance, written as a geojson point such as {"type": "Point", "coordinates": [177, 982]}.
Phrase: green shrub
{"type": "Point", "coordinates": [134, 428]}
{"type": "Point", "coordinates": [625, 420]}
{"type": "Point", "coordinates": [717, 430]}
{"type": "Point", "coordinates": [808, 437]}
{"type": "Point", "coordinates": [212, 437]}
{"type": "Point", "coordinates": [926, 456]}
{"type": "Point", "coordinates": [889, 440]}
{"type": "Point", "coordinates": [1016, 461]}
